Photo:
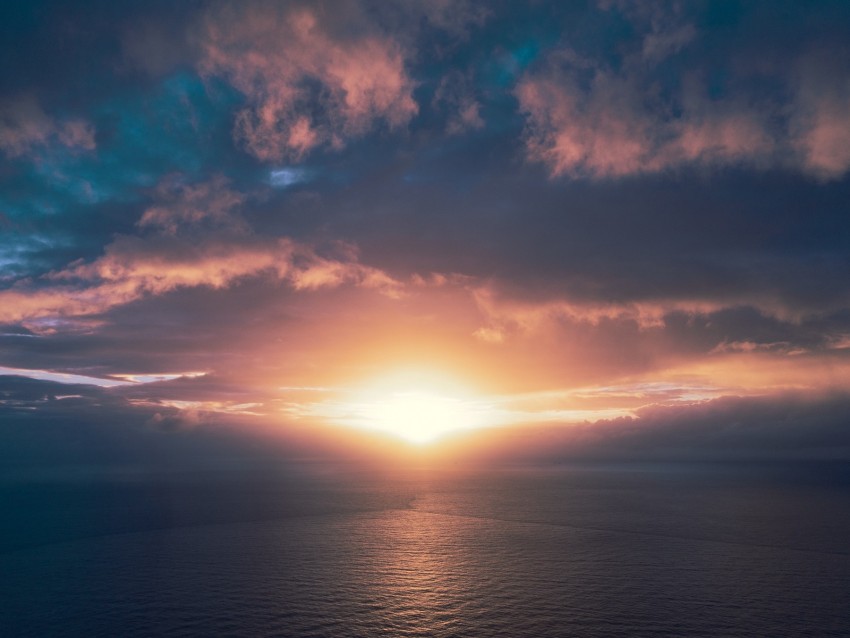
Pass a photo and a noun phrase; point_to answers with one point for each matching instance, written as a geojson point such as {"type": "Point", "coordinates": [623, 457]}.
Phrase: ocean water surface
{"type": "Point", "coordinates": [332, 550]}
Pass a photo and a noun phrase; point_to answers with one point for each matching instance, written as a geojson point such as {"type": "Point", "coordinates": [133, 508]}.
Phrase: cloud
{"type": "Point", "coordinates": [820, 114]}
{"type": "Point", "coordinates": [198, 240]}
{"type": "Point", "coordinates": [782, 347]}
{"type": "Point", "coordinates": [24, 126]}
{"type": "Point", "coordinates": [452, 16]}
{"type": "Point", "coordinates": [62, 377]}
{"type": "Point", "coordinates": [785, 426]}
{"type": "Point", "coordinates": [657, 108]}
{"type": "Point", "coordinates": [56, 425]}
{"type": "Point", "coordinates": [289, 176]}
{"type": "Point", "coordinates": [190, 206]}
{"type": "Point", "coordinates": [733, 346]}
{"type": "Point", "coordinates": [576, 133]}
{"type": "Point", "coordinates": [455, 95]}
{"type": "Point", "coordinates": [664, 28]}
{"type": "Point", "coordinates": [307, 82]}
{"type": "Point", "coordinates": [507, 313]}
{"type": "Point", "coordinates": [134, 267]}
{"type": "Point", "coordinates": [616, 126]}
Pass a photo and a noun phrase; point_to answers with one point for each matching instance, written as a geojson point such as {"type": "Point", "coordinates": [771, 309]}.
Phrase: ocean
{"type": "Point", "coordinates": [339, 550]}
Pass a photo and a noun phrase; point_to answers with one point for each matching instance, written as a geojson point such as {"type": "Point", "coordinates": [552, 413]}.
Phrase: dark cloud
{"type": "Point", "coordinates": [770, 428]}
{"type": "Point", "coordinates": [58, 427]}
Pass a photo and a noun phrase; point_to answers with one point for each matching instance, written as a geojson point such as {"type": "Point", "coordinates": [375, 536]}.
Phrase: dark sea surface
{"type": "Point", "coordinates": [513, 552]}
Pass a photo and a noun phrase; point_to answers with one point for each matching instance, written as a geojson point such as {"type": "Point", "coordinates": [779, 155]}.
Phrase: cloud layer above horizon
{"type": "Point", "coordinates": [586, 211]}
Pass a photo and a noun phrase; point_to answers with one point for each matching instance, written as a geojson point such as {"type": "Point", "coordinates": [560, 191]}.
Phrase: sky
{"type": "Point", "coordinates": [586, 230]}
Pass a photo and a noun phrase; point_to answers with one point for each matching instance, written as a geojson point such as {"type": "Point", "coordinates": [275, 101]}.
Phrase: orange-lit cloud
{"type": "Point", "coordinates": [506, 315]}
{"type": "Point", "coordinates": [133, 268]}
{"type": "Point", "coordinates": [199, 240]}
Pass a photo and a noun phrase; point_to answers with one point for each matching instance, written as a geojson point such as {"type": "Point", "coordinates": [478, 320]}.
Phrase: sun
{"type": "Point", "coordinates": [421, 417]}
{"type": "Point", "coordinates": [417, 406]}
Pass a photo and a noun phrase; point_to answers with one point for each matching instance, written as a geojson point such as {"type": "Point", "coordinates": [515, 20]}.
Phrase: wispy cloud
{"type": "Point", "coordinates": [63, 377]}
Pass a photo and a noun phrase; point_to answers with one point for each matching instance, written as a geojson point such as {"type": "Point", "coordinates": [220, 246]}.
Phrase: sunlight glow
{"type": "Point", "coordinates": [422, 406]}
{"type": "Point", "coordinates": [415, 405]}
{"type": "Point", "coordinates": [421, 417]}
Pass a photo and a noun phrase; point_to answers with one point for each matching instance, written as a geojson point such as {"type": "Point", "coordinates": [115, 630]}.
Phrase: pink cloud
{"type": "Point", "coordinates": [736, 136]}
{"type": "Point", "coordinates": [587, 120]}
{"type": "Point", "coordinates": [619, 127]}
{"type": "Point", "coordinates": [24, 126]}
{"type": "Point", "coordinates": [183, 205]}
{"type": "Point", "coordinates": [289, 60]}
{"type": "Point", "coordinates": [594, 133]}
{"type": "Point", "coordinates": [820, 118]}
